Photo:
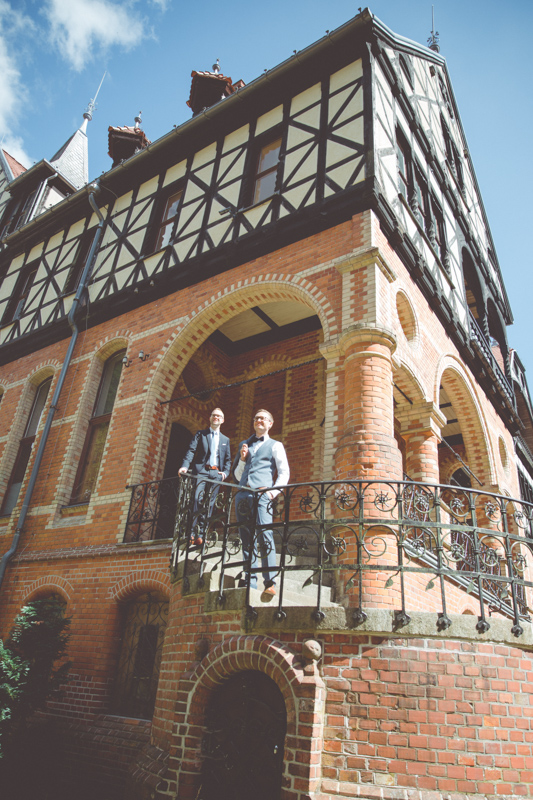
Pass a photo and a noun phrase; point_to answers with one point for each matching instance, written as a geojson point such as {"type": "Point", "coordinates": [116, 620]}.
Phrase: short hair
{"type": "Point", "coordinates": [216, 409]}
{"type": "Point", "coordinates": [264, 411]}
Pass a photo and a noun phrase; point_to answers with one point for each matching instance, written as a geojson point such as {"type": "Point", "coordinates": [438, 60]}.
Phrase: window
{"type": "Point", "coordinates": [166, 225]}
{"type": "Point", "coordinates": [25, 448]}
{"type": "Point", "coordinates": [18, 213]}
{"type": "Point", "coordinates": [143, 625]}
{"type": "Point", "coordinates": [266, 171]}
{"type": "Point", "coordinates": [74, 273]}
{"type": "Point", "coordinates": [452, 156]}
{"type": "Point", "coordinates": [403, 162]}
{"type": "Point", "coordinates": [436, 231]}
{"type": "Point", "coordinates": [97, 433]}
{"type": "Point", "coordinates": [20, 294]}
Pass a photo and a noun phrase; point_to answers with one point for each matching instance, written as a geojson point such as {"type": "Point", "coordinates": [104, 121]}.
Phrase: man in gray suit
{"type": "Point", "coordinates": [208, 456]}
{"type": "Point", "coordinates": [262, 464]}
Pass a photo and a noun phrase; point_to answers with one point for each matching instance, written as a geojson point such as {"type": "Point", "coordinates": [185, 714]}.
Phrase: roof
{"type": "Point", "coordinates": [72, 160]}
{"type": "Point", "coordinates": [16, 167]}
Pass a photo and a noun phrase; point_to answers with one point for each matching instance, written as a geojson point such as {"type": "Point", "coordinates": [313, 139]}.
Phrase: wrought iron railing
{"type": "Point", "coordinates": [483, 346]}
{"type": "Point", "coordinates": [411, 546]}
{"type": "Point", "coordinates": [153, 509]}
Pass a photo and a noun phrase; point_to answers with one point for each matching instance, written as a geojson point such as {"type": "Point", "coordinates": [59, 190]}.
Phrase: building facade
{"type": "Point", "coordinates": [313, 243]}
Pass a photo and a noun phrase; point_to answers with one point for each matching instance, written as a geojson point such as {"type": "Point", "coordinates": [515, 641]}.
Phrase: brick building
{"type": "Point", "coordinates": [313, 242]}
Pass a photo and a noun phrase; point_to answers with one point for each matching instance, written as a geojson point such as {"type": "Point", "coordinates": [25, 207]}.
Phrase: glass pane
{"type": "Point", "coordinates": [109, 384]}
{"type": "Point", "coordinates": [265, 186]}
{"type": "Point", "coordinates": [164, 235]}
{"type": "Point", "coordinates": [172, 206]}
{"type": "Point", "coordinates": [95, 450]}
{"type": "Point", "coordinates": [269, 156]}
{"type": "Point", "coordinates": [17, 476]}
{"type": "Point", "coordinates": [37, 408]}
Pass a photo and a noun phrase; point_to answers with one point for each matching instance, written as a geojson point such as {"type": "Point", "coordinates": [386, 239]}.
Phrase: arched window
{"type": "Point", "coordinates": [25, 447]}
{"type": "Point", "coordinates": [93, 448]}
{"type": "Point", "coordinates": [143, 631]}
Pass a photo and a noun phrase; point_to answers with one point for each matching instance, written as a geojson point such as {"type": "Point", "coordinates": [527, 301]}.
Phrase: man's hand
{"type": "Point", "coordinates": [244, 452]}
{"type": "Point", "coordinates": [182, 470]}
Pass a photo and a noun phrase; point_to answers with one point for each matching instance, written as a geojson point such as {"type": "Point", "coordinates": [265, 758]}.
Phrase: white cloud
{"type": "Point", "coordinates": [12, 90]}
{"type": "Point", "coordinates": [81, 27]}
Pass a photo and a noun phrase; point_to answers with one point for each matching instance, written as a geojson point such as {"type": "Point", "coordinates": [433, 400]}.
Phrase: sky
{"type": "Point", "coordinates": [53, 54]}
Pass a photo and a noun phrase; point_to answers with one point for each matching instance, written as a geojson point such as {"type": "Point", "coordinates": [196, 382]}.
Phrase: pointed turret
{"type": "Point", "coordinates": [72, 160]}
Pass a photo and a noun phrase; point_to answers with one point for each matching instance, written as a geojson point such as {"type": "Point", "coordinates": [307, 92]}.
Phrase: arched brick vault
{"type": "Point", "coordinates": [408, 383]}
{"type": "Point", "coordinates": [303, 692]}
{"type": "Point", "coordinates": [138, 583]}
{"type": "Point", "coordinates": [474, 427]}
{"type": "Point", "coordinates": [203, 321]}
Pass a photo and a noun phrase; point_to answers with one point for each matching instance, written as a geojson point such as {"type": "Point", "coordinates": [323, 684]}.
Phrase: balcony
{"type": "Point", "coordinates": [484, 349]}
{"type": "Point", "coordinates": [362, 544]}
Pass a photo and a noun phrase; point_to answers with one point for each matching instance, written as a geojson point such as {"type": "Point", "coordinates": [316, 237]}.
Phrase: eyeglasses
{"type": "Point", "coordinates": [264, 419]}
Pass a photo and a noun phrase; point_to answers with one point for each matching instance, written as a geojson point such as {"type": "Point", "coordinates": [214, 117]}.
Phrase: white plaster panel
{"type": "Point", "coordinates": [236, 138]}
{"type": "Point", "coordinates": [346, 75]}
{"type": "Point", "coordinates": [76, 229]}
{"type": "Point", "coordinates": [268, 120]}
{"type": "Point", "coordinates": [304, 99]}
{"type": "Point", "coordinates": [147, 188]}
{"type": "Point", "coordinates": [123, 202]}
{"type": "Point", "coordinates": [54, 242]}
{"type": "Point", "coordinates": [35, 252]}
{"type": "Point", "coordinates": [253, 215]}
{"type": "Point", "coordinates": [205, 155]}
{"type": "Point", "coordinates": [175, 173]}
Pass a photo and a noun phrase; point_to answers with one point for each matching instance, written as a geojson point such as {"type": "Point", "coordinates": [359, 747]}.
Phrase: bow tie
{"type": "Point", "coordinates": [258, 439]}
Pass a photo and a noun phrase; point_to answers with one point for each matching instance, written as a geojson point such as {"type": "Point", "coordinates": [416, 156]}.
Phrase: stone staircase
{"type": "Point", "coordinates": [297, 573]}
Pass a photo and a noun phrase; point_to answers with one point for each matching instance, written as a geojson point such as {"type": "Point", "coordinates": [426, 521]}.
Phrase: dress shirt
{"type": "Point", "coordinates": [280, 457]}
{"type": "Point", "coordinates": [213, 454]}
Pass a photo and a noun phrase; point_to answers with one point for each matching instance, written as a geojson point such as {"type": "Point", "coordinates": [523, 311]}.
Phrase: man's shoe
{"type": "Point", "coordinates": [198, 541]}
{"type": "Point", "coordinates": [268, 593]}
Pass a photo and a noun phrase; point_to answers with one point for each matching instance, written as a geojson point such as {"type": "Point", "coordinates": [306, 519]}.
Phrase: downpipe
{"type": "Point", "coordinates": [92, 189]}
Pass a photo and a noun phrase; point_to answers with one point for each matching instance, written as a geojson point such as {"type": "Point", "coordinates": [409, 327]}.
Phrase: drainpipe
{"type": "Point", "coordinates": [92, 189]}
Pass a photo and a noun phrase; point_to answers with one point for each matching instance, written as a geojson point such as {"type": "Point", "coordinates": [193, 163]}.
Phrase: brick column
{"type": "Point", "coordinates": [366, 452]}
{"type": "Point", "coordinates": [421, 426]}
{"type": "Point", "coordinates": [367, 447]}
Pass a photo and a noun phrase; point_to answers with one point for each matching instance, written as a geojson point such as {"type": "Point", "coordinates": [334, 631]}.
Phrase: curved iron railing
{"type": "Point", "coordinates": [373, 543]}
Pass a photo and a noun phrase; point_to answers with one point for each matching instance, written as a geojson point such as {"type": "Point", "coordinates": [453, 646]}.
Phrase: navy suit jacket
{"type": "Point", "coordinates": [197, 456]}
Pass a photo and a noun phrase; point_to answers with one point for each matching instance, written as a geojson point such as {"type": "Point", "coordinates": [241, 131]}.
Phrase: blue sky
{"type": "Point", "coordinates": [53, 54]}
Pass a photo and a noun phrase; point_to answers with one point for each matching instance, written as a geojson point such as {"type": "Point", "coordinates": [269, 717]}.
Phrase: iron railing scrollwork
{"type": "Point", "coordinates": [431, 547]}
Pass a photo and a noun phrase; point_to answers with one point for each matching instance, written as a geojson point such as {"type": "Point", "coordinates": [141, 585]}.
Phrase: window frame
{"type": "Point", "coordinates": [159, 220]}
{"type": "Point", "coordinates": [253, 174]}
{"type": "Point", "coordinates": [100, 420]}
{"type": "Point", "coordinates": [15, 306]}
{"type": "Point", "coordinates": [25, 447]}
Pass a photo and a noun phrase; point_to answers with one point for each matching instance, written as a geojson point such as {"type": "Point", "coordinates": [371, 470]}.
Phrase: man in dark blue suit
{"type": "Point", "coordinates": [208, 456]}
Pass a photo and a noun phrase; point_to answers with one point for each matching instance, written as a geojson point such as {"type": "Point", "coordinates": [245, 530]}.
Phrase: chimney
{"type": "Point", "coordinates": [124, 142]}
{"type": "Point", "coordinates": [207, 88]}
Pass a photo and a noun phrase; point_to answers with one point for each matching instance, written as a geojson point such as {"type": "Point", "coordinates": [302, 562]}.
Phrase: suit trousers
{"type": "Point", "coordinates": [204, 500]}
{"type": "Point", "coordinates": [257, 537]}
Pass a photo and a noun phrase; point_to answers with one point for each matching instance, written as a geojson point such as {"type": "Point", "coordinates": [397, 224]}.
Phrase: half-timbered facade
{"type": "Point", "coordinates": [314, 243]}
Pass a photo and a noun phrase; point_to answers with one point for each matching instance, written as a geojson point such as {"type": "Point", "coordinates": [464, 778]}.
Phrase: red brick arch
{"type": "Point", "coordinates": [49, 584]}
{"type": "Point", "coordinates": [302, 689]}
{"type": "Point", "coordinates": [192, 333]}
{"type": "Point", "coordinates": [140, 582]}
{"type": "Point", "coordinates": [460, 389]}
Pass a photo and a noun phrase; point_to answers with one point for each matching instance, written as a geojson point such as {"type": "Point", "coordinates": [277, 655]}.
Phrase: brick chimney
{"type": "Point", "coordinates": [125, 141]}
{"type": "Point", "coordinates": [207, 88]}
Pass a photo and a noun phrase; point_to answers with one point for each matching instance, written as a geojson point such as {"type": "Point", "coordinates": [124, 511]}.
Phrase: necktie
{"type": "Point", "coordinates": [213, 457]}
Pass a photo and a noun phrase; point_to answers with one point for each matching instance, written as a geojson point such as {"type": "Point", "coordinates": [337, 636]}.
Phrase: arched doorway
{"type": "Point", "coordinates": [178, 443]}
{"type": "Point", "coordinates": [246, 722]}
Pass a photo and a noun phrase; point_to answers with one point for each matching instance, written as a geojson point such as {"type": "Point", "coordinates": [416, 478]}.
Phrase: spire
{"type": "Point", "coordinates": [433, 40]}
{"type": "Point", "coordinates": [72, 160]}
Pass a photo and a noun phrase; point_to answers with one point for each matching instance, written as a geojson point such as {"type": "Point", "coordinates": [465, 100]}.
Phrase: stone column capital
{"type": "Point", "coordinates": [422, 417]}
{"type": "Point", "coordinates": [364, 333]}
